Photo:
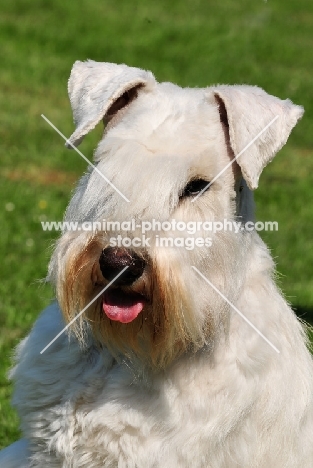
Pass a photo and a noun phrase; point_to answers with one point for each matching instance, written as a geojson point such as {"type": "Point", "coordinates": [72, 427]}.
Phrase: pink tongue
{"type": "Point", "coordinates": [122, 307]}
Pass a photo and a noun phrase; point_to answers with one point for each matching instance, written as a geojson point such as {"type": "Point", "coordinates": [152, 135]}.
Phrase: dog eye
{"type": "Point", "coordinates": [194, 187]}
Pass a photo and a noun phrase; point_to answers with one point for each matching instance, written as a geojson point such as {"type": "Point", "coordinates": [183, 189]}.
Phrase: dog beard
{"type": "Point", "coordinates": [166, 327]}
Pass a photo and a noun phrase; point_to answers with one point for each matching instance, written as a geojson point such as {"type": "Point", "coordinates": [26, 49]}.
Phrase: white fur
{"type": "Point", "coordinates": [233, 402]}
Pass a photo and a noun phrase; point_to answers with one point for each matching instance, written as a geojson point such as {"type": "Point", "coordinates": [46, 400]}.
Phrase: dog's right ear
{"type": "Point", "coordinates": [257, 125]}
{"type": "Point", "coordinates": [100, 89]}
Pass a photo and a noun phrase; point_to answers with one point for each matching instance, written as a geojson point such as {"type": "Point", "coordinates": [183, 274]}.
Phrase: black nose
{"type": "Point", "coordinates": [112, 261]}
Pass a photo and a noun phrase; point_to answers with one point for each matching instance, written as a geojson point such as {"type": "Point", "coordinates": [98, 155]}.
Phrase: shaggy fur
{"type": "Point", "coordinates": [188, 383]}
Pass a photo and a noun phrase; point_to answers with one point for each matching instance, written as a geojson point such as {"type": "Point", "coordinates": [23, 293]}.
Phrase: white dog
{"type": "Point", "coordinates": [191, 357]}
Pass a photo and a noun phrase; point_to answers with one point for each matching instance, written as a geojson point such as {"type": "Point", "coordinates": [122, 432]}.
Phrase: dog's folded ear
{"type": "Point", "coordinates": [96, 89]}
{"type": "Point", "coordinates": [245, 111]}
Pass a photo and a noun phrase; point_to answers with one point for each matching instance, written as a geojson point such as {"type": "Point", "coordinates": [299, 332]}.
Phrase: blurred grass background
{"type": "Point", "coordinates": [191, 42]}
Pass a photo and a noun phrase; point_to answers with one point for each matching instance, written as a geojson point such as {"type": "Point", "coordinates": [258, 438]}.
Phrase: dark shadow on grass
{"type": "Point", "coordinates": [305, 313]}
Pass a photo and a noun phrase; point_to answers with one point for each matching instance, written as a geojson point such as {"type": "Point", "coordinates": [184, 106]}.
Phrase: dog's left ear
{"type": "Point", "coordinates": [97, 89]}
{"type": "Point", "coordinates": [245, 111]}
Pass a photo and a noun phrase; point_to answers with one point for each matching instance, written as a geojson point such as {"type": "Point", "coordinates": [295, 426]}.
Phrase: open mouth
{"type": "Point", "coordinates": [122, 306]}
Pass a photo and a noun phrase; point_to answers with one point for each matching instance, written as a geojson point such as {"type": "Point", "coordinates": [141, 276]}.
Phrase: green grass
{"type": "Point", "coordinates": [191, 42]}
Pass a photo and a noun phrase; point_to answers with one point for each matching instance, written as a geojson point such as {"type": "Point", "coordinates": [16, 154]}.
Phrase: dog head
{"type": "Point", "coordinates": [167, 156]}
